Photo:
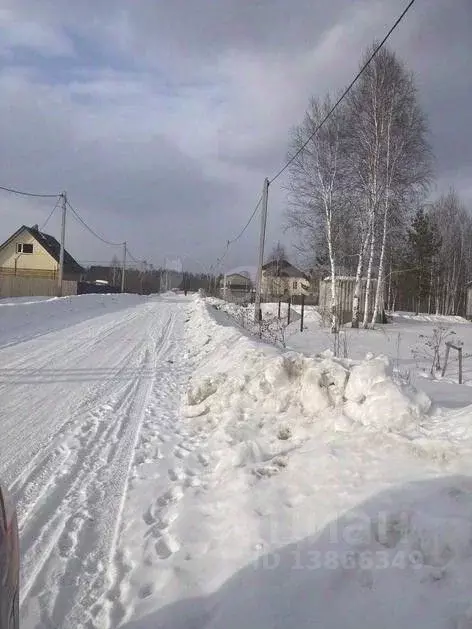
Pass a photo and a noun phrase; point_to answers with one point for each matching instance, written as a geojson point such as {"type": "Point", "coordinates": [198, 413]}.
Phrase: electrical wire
{"type": "Point", "coordinates": [29, 194]}
{"type": "Point", "coordinates": [130, 255]}
{"type": "Point", "coordinates": [94, 233]}
{"type": "Point", "coordinates": [233, 240]}
{"type": "Point", "coordinates": [50, 215]}
{"type": "Point", "coordinates": [230, 242]}
{"type": "Point", "coordinates": [328, 115]}
{"type": "Point", "coordinates": [344, 94]}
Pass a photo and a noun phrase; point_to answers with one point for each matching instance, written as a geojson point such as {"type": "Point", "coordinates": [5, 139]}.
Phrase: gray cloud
{"type": "Point", "coordinates": [161, 119]}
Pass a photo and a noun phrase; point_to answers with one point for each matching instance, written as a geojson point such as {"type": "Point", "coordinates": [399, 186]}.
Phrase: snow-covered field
{"type": "Point", "coordinates": [173, 472]}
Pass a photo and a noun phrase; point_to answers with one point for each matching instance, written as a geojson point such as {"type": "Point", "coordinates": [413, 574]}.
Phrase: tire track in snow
{"type": "Point", "coordinates": [117, 566]}
{"type": "Point", "coordinates": [90, 445]}
{"type": "Point", "coordinates": [166, 465]}
{"type": "Point", "coordinates": [89, 496]}
{"type": "Point", "coordinates": [39, 477]}
{"type": "Point", "coordinates": [28, 448]}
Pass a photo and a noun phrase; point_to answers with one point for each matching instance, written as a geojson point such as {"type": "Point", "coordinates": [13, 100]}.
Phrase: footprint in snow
{"type": "Point", "coordinates": [176, 474]}
{"type": "Point", "coordinates": [156, 529]}
{"type": "Point", "coordinates": [204, 459]}
{"type": "Point", "coordinates": [180, 453]}
{"type": "Point", "coordinates": [146, 591]}
{"type": "Point", "coordinates": [171, 495]}
{"type": "Point", "coordinates": [166, 546]}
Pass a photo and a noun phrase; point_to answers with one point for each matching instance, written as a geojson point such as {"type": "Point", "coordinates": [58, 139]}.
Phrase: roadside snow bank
{"type": "Point", "coordinates": [327, 495]}
{"type": "Point", "coordinates": [374, 399]}
{"type": "Point", "coordinates": [237, 372]}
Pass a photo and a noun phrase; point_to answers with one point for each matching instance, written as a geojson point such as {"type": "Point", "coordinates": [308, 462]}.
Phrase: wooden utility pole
{"type": "Point", "coordinates": [123, 268]}
{"type": "Point", "coordinates": [257, 301]}
{"type": "Point", "coordinates": [60, 274]}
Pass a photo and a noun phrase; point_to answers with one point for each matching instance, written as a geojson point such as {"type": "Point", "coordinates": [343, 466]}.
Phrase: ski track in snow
{"type": "Point", "coordinates": [83, 412]}
{"type": "Point", "coordinates": [167, 463]}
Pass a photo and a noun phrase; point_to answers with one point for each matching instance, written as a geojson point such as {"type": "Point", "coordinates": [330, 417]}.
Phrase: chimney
{"type": "Point", "coordinates": [36, 228]}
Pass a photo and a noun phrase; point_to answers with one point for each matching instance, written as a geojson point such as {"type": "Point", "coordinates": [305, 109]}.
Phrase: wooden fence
{"type": "Point", "coordinates": [19, 286]}
{"type": "Point", "coordinates": [345, 294]}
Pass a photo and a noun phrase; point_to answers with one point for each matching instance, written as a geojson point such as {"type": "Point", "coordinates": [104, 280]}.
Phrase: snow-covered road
{"type": "Point", "coordinates": [173, 472]}
{"type": "Point", "coordinates": [84, 408]}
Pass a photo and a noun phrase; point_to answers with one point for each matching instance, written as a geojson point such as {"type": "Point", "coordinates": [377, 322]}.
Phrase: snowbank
{"type": "Point", "coordinates": [325, 501]}
{"type": "Point", "coordinates": [239, 372]}
{"type": "Point", "coordinates": [396, 561]}
{"type": "Point", "coordinates": [374, 399]}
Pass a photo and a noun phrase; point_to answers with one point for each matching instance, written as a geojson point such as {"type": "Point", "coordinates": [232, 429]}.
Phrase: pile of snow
{"type": "Point", "coordinates": [323, 503]}
{"type": "Point", "coordinates": [374, 399]}
{"type": "Point", "coordinates": [237, 371]}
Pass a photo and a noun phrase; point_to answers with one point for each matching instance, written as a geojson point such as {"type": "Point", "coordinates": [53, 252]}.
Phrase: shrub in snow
{"type": "Point", "coordinates": [284, 433]}
{"type": "Point", "coordinates": [431, 349]}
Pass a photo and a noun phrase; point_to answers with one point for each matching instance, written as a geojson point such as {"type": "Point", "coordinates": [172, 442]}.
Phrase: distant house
{"type": "Point", "coordinates": [280, 278]}
{"type": "Point", "coordinates": [236, 285]}
{"type": "Point", "coordinates": [34, 254]}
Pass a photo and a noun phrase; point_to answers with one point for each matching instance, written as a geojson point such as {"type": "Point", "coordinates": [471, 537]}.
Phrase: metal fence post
{"type": "Point", "coordinates": [303, 313]}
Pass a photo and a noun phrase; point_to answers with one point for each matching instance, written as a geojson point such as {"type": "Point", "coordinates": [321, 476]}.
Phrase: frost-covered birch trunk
{"type": "Point", "coordinates": [357, 285]}
{"type": "Point", "coordinates": [380, 279]}
{"type": "Point", "coordinates": [368, 281]}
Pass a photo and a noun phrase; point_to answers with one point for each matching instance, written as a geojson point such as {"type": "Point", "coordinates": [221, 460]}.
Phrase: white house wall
{"type": "Point", "coordinates": [39, 260]}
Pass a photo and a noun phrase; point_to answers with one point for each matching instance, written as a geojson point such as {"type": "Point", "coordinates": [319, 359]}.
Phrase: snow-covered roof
{"type": "Point", "coordinates": [246, 271]}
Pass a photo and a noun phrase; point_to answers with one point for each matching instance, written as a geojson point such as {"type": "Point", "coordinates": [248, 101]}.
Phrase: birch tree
{"type": "Point", "coordinates": [317, 184]}
{"type": "Point", "coordinates": [391, 165]}
{"type": "Point", "coordinates": [454, 224]}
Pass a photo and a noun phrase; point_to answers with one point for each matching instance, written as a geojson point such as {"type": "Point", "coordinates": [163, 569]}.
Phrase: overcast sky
{"type": "Point", "coordinates": [161, 118]}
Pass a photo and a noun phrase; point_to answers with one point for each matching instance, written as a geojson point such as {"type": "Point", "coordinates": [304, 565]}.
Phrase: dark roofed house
{"type": "Point", "coordinates": [281, 278]}
{"type": "Point", "coordinates": [30, 252]}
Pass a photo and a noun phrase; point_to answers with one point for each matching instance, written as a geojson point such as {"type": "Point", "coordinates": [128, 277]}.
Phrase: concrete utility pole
{"type": "Point", "coordinates": [257, 303]}
{"type": "Point", "coordinates": [123, 268]}
{"type": "Point", "coordinates": [60, 274]}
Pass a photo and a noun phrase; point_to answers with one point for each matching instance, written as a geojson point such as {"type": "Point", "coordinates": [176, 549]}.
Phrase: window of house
{"type": "Point", "coordinates": [24, 247]}
{"type": "Point", "coordinates": [294, 285]}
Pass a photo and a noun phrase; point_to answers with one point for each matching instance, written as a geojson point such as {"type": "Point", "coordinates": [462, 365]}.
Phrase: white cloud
{"type": "Point", "coordinates": [168, 138]}
{"type": "Point", "coordinates": [26, 34]}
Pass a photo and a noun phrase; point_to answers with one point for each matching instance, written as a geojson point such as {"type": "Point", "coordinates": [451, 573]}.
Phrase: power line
{"type": "Point", "coordinates": [233, 240]}
{"type": "Point", "coordinates": [230, 242]}
{"type": "Point", "coordinates": [130, 255]}
{"type": "Point", "coordinates": [94, 233]}
{"type": "Point", "coordinates": [328, 115]}
{"type": "Point", "coordinates": [51, 213]}
{"type": "Point", "coordinates": [345, 93]}
{"type": "Point", "coordinates": [29, 194]}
